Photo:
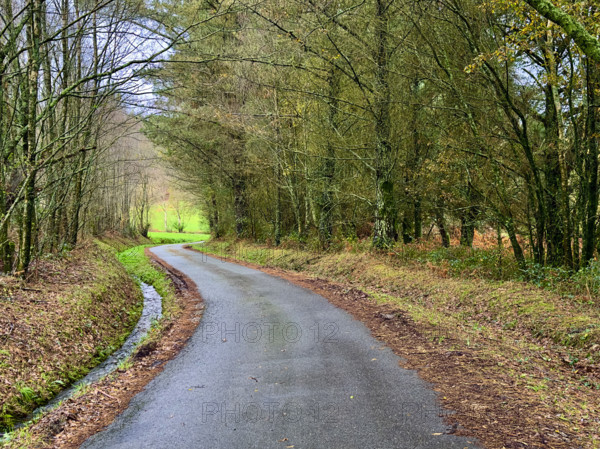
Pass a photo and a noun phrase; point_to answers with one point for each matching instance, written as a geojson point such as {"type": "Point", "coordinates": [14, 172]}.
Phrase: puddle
{"type": "Point", "coordinates": [152, 311]}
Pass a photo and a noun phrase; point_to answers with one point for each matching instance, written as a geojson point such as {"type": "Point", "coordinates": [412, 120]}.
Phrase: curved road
{"type": "Point", "coordinates": [273, 365]}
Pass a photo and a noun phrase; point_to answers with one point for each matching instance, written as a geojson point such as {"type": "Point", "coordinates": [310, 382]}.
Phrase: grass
{"type": "Point", "coordinates": [140, 267]}
{"type": "Point", "coordinates": [193, 220]}
{"type": "Point", "coordinates": [176, 237]}
{"type": "Point", "coordinates": [23, 437]}
{"type": "Point", "coordinates": [486, 260]}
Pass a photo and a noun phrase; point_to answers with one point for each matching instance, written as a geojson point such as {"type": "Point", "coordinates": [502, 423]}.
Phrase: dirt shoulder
{"type": "Point", "coordinates": [501, 384]}
{"type": "Point", "coordinates": [98, 405]}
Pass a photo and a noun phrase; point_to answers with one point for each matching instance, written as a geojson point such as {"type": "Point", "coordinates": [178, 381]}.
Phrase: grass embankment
{"type": "Point", "coordinates": [74, 311]}
{"type": "Point", "coordinates": [95, 406]}
{"type": "Point", "coordinates": [532, 349]}
{"type": "Point", "coordinates": [139, 266]}
{"type": "Point", "coordinates": [134, 264]}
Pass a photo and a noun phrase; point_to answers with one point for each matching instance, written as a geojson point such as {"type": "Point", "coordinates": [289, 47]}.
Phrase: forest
{"type": "Point", "coordinates": [318, 121]}
{"type": "Point", "coordinates": [410, 186]}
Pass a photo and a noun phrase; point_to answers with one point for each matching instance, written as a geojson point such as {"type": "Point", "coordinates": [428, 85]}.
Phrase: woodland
{"type": "Point", "coordinates": [318, 121]}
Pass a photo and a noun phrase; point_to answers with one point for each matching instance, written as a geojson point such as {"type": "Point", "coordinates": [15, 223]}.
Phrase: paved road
{"type": "Point", "coordinates": [273, 365]}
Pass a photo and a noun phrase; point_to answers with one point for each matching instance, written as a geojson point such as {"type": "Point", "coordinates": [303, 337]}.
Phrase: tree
{"type": "Point", "coordinates": [589, 44]}
{"type": "Point", "coordinates": [307, 120]}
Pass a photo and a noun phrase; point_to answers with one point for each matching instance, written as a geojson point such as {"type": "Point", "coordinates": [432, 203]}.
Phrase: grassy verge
{"type": "Point", "coordinates": [140, 267]}
{"type": "Point", "coordinates": [498, 264]}
{"type": "Point", "coordinates": [176, 237]}
{"type": "Point", "coordinates": [75, 311]}
{"type": "Point", "coordinates": [543, 345]}
{"type": "Point", "coordinates": [95, 406]}
{"type": "Point", "coordinates": [568, 319]}
{"type": "Point", "coordinates": [485, 260]}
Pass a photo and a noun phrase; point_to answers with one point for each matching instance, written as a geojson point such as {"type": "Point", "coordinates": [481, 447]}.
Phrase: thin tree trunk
{"type": "Point", "coordinates": [278, 181]}
{"type": "Point", "coordinates": [29, 139]}
{"type": "Point", "coordinates": [591, 161]}
{"type": "Point", "coordinates": [441, 224]}
{"type": "Point", "coordinates": [240, 206]}
{"type": "Point", "coordinates": [418, 214]}
{"type": "Point", "coordinates": [384, 233]}
{"type": "Point", "coordinates": [328, 165]}
{"type": "Point", "coordinates": [517, 250]}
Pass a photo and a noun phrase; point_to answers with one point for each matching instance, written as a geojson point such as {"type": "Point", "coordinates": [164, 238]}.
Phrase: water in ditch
{"type": "Point", "coordinates": [152, 311]}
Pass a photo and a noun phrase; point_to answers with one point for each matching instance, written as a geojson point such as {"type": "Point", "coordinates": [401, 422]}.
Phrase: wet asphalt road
{"type": "Point", "coordinates": [273, 365]}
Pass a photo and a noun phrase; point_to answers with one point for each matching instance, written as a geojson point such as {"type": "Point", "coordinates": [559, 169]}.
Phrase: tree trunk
{"type": "Point", "coordinates": [467, 228]}
{"type": "Point", "coordinates": [440, 221]}
{"type": "Point", "coordinates": [591, 162]}
{"type": "Point", "coordinates": [418, 214]}
{"type": "Point", "coordinates": [384, 233]}
{"type": "Point", "coordinates": [213, 216]}
{"type": "Point", "coordinates": [240, 206]}
{"type": "Point", "coordinates": [77, 200]}
{"type": "Point", "coordinates": [517, 250]}
{"type": "Point", "coordinates": [6, 247]}
{"type": "Point", "coordinates": [328, 164]}
{"type": "Point", "coordinates": [29, 138]}
{"type": "Point", "coordinates": [554, 229]}
{"type": "Point", "coordinates": [277, 202]}
{"type": "Point", "coordinates": [406, 228]}
{"type": "Point", "coordinates": [468, 219]}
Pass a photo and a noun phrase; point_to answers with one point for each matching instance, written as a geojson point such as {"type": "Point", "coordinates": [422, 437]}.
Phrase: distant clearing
{"type": "Point", "coordinates": [192, 219]}
{"type": "Point", "coordinates": [177, 237]}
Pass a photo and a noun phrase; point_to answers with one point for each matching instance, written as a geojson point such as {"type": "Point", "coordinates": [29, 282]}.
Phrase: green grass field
{"type": "Point", "coordinates": [177, 237]}
{"type": "Point", "coordinates": [193, 220]}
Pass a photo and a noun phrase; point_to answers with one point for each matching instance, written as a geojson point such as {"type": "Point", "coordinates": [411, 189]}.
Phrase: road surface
{"type": "Point", "coordinates": [273, 365]}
